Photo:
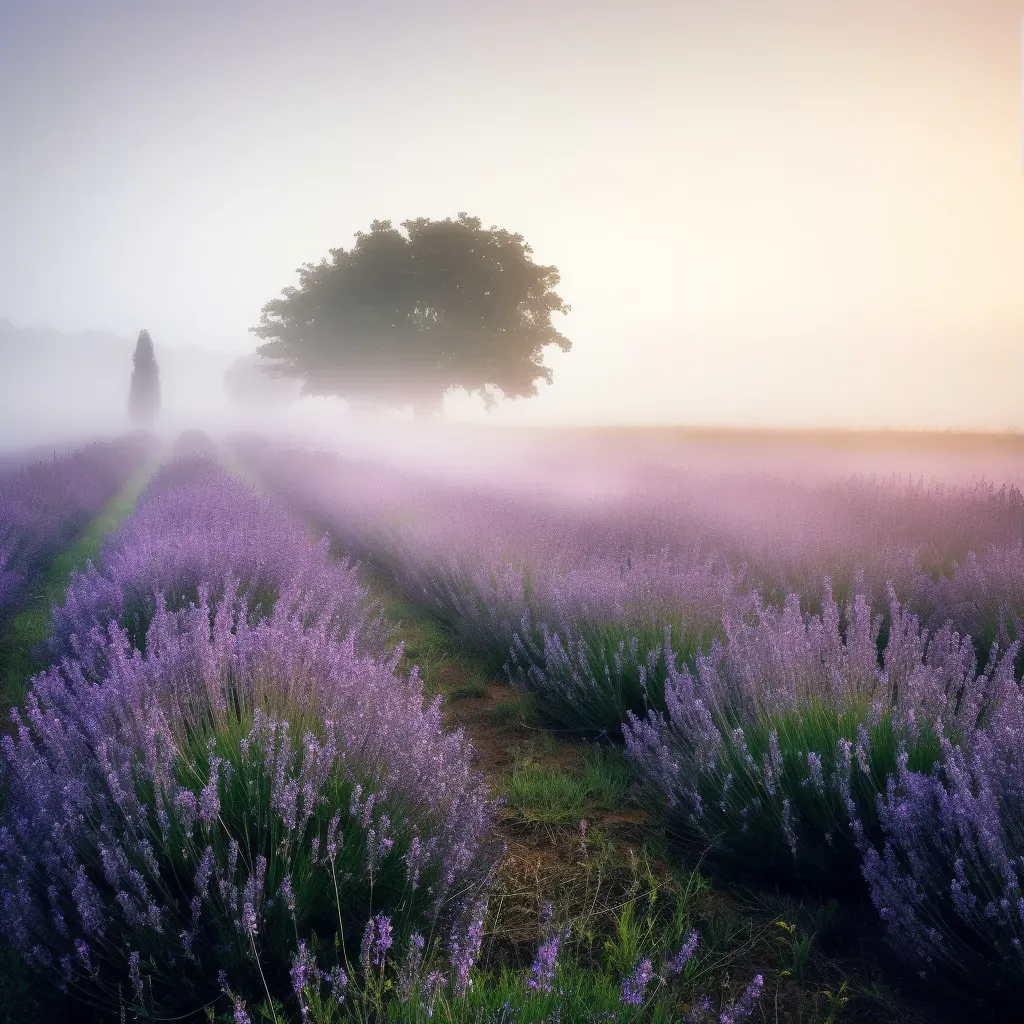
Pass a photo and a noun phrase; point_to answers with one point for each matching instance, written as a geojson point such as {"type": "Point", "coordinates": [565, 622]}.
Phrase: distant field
{"type": "Point", "coordinates": [619, 459]}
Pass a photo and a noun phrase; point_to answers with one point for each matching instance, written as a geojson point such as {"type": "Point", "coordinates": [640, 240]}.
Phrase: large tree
{"type": "Point", "coordinates": [401, 318]}
{"type": "Point", "coordinates": [144, 390]}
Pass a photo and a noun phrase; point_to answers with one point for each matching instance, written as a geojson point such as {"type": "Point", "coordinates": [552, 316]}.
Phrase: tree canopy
{"type": "Point", "coordinates": [144, 390]}
{"type": "Point", "coordinates": [401, 318]}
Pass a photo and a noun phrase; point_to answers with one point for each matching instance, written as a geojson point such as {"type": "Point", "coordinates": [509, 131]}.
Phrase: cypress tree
{"type": "Point", "coordinates": [144, 392]}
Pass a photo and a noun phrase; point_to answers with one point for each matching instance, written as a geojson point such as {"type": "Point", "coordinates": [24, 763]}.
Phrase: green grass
{"type": "Point", "coordinates": [541, 794]}
{"type": "Point", "coordinates": [429, 645]}
{"type": "Point", "coordinates": [469, 691]}
{"type": "Point", "coordinates": [21, 639]}
{"type": "Point", "coordinates": [628, 915]}
{"type": "Point", "coordinates": [518, 709]}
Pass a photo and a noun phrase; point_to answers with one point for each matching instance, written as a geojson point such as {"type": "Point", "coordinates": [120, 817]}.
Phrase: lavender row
{"type": "Point", "coordinates": [574, 596]}
{"type": "Point", "coordinates": [224, 774]}
{"type": "Point", "coordinates": [790, 751]}
{"type": "Point", "coordinates": [197, 526]}
{"type": "Point", "coordinates": [44, 504]}
{"type": "Point", "coordinates": [230, 793]}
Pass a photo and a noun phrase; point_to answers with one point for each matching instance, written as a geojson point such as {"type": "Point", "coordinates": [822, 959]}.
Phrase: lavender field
{"type": "Point", "coordinates": [618, 731]}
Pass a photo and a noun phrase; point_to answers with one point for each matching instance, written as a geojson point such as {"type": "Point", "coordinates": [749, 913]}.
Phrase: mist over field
{"type": "Point", "coordinates": [85, 378]}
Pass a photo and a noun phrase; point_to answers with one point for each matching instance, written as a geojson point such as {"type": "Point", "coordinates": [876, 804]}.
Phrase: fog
{"type": "Point", "coordinates": [55, 386]}
{"type": "Point", "coordinates": [784, 214]}
{"type": "Point", "coordinates": [59, 390]}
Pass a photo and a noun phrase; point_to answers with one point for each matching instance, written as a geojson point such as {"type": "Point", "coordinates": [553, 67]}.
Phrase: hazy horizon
{"type": "Point", "coordinates": [780, 213]}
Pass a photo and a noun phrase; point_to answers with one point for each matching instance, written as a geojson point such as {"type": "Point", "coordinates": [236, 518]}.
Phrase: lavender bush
{"type": "Point", "coordinates": [983, 594]}
{"type": "Point", "coordinates": [43, 505]}
{"type": "Point", "coordinates": [776, 748]}
{"type": "Point", "coordinates": [947, 873]}
{"type": "Point", "coordinates": [195, 524]}
{"type": "Point", "coordinates": [234, 798]}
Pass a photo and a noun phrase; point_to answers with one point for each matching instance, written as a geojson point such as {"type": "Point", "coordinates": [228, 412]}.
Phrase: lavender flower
{"type": "Point", "coordinates": [464, 950]}
{"type": "Point", "coordinates": [303, 973]}
{"type": "Point", "coordinates": [744, 1006]}
{"type": "Point", "coordinates": [542, 973]}
{"type": "Point", "coordinates": [287, 894]}
{"type": "Point", "coordinates": [134, 975]}
{"type": "Point", "coordinates": [676, 964]}
{"type": "Point", "coordinates": [634, 986]}
{"type": "Point", "coordinates": [339, 983]}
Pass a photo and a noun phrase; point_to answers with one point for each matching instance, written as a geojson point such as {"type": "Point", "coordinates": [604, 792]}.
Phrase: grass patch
{"type": "Point", "coordinates": [520, 709]}
{"type": "Point", "coordinates": [20, 654]}
{"type": "Point", "coordinates": [469, 691]}
{"type": "Point", "coordinates": [541, 794]}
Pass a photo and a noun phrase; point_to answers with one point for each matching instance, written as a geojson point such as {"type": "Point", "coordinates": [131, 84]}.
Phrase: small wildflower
{"type": "Point", "coordinates": [635, 985]}
{"type": "Point", "coordinates": [675, 964]}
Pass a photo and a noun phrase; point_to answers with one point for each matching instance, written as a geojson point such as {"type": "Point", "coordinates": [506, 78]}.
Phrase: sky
{"type": "Point", "coordinates": [765, 212]}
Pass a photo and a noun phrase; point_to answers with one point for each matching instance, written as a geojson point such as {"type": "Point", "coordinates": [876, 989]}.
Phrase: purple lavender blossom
{"type": "Point", "coordinates": [463, 950]}
{"type": "Point", "coordinates": [134, 974]}
{"type": "Point", "coordinates": [376, 942]}
{"type": "Point", "coordinates": [339, 983]}
{"type": "Point", "coordinates": [744, 1006]}
{"type": "Point", "coordinates": [287, 894]}
{"type": "Point", "coordinates": [432, 984]}
{"type": "Point", "coordinates": [677, 963]}
{"type": "Point", "coordinates": [542, 973]}
{"type": "Point", "coordinates": [303, 974]}
{"type": "Point", "coordinates": [635, 985]}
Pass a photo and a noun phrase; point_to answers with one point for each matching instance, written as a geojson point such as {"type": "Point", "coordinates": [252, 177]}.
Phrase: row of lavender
{"type": "Point", "coordinates": [44, 504]}
{"type": "Point", "coordinates": [223, 788]}
{"type": "Point", "coordinates": [843, 737]}
{"type": "Point", "coordinates": [574, 596]}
